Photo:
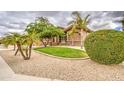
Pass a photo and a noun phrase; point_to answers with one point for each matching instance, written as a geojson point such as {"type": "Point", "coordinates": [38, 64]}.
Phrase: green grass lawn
{"type": "Point", "coordinates": [63, 52]}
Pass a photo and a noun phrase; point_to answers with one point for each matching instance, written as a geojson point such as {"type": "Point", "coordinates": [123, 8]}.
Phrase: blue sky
{"type": "Point", "coordinates": [16, 21]}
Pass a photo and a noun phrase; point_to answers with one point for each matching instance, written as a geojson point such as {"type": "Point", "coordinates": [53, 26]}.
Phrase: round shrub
{"type": "Point", "coordinates": [105, 46]}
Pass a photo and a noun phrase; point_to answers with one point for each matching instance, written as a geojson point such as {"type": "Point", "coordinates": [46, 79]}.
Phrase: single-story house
{"type": "Point", "coordinates": [75, 38]}
{"type": "Point", "coordinates": [72, 40]}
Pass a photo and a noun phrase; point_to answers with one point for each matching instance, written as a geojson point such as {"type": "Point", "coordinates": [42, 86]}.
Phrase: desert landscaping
{"type": "Point", "coordinates": [62, 69]}
{"type": "Point", "coordinates": [45, 51]}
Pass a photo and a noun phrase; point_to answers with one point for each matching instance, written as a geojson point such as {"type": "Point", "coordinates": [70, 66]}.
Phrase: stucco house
{"type": "Point", "coordinates": [71, 40]}
{"type": "Point", "coordinates": [75, 39]}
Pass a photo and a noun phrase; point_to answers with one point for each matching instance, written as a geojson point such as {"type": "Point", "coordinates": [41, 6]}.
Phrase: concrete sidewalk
{"type": "Point", "coordinates": [6, 73]}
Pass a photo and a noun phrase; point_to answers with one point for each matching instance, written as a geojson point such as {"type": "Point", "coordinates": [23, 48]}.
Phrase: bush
{"type": "Point", "coordinates": [105, 46]}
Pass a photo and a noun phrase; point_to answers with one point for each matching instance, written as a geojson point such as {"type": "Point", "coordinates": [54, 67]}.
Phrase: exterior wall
{"type": "Point", "coordinates": [74, 39]}
{"type": "Point", "coordinates": [71, 40]}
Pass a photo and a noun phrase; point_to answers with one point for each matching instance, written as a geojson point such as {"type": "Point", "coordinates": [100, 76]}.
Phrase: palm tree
{"type": "Point", "coordinates": [19, 40]}
{"type": "Point", "coordinates": [19, 43]}
{"type": "Point", "coordinates": [27, 41]}
{"type": "Point", "coordinates": [13, 38]}
{"type": "Point", "coordinates": [79, 23]}
{"type": "Point", "coordinates": [10, 39]}
{"type": "Point", "coordinates": [6, 40]}
{"type": "Point", "coordinates": [31, 37]}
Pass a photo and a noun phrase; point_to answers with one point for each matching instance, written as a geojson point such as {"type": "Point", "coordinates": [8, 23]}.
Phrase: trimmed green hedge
{"type": "Point", "coordinates": [105, 46]}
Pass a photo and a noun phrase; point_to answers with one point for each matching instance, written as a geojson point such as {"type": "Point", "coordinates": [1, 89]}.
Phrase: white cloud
{"type": "Point", "coordinates": [113, 25]}
{"type": "Point", "coordinates": [52, 20]}
{"type": "Point", "coordinates": [15, 30]}
{"type": "Point", "coordinates": [16, 21]}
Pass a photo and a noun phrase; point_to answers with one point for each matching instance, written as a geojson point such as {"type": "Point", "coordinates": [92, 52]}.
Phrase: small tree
{"type": "Point", "coordinates": [45, 30]}
{"type": "Point", "coordinates": [49, 33]}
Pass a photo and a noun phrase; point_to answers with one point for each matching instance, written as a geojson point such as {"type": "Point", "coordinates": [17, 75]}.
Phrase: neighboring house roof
{"type": "Point", "coordinates": [70, 27]}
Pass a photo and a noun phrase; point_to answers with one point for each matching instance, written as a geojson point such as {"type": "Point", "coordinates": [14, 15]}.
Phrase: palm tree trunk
{"type": "Point", "coordinates": [16, 51]}
{"type": "Point", "coordinates": [83, 36]}
{"type": "Point", "coordinates": [30, 48]}
{"type": "Point", "coordinates": [72, 40]}
{"type": "Point", "coordinates": [14, 47]}
{"type": "Point", "coordinates": [26, 51]}
{"type": "Point", "coordinates": [21, 51]}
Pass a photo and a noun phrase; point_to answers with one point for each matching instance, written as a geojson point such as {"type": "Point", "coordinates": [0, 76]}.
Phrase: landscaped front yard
{"type": "Point", "coordinates": [62, 69]}
{"type": "Point", "coordinates": [63, 52]}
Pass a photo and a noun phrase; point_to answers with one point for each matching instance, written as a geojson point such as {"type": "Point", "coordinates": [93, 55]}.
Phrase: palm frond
{"type": "Point", "coordinates": [86, 18]}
